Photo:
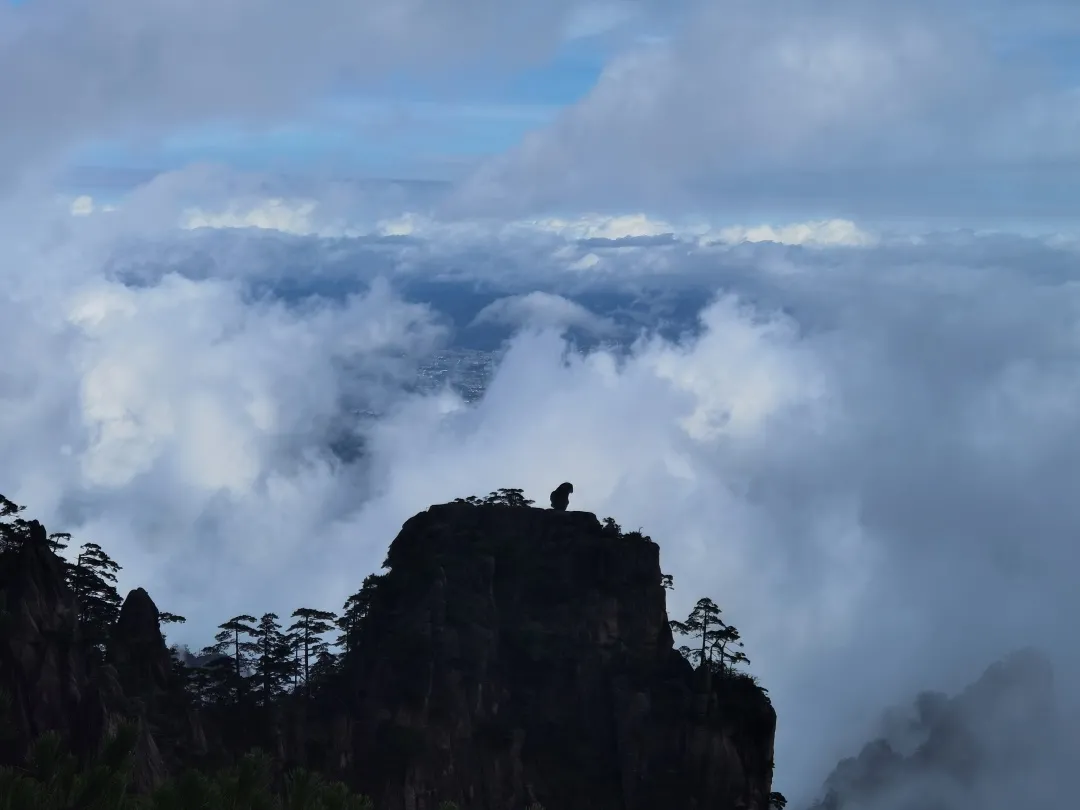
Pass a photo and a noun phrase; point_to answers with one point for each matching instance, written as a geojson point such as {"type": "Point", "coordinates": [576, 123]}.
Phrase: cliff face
{"type": "Point", "coordinates": [510, 656]}
{"type": "Point", "coordinates": [518, 655]}
{"type": "Point", "coordinates": [50, 683]}
{"type": "Point", "coordinates": [144, 670]}
{"type": "Point", "coordinates": [42, 667]}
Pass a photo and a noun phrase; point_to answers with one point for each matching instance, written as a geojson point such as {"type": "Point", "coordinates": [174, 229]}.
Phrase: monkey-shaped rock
{"type": "Point", "coordinates": [560, 498]}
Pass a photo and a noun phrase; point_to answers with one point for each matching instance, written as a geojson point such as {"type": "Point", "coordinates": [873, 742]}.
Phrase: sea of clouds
{"type": "Point", "coordinates": [862, 440]}
{"type": "Point", "coordinates": [863, 446]}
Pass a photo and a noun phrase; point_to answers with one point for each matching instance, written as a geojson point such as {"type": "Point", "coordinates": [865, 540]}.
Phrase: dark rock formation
{"type": "Point", "coordinates": [137, 649]}
{"type": "Point", "coordinates": [977, 749]}
{"type": "Point", "coordinates": [50, 682]}
{"type": "Point", "coordinates": [42, 668]}
{"type": "Point", "coordinates": [519, 655]}
{"type": "Point", "coordinates": [146, 676]}
{"type": "Point", "coordinates": [509, 656]}
{"type": "Point", "coordinates": [560, 496]}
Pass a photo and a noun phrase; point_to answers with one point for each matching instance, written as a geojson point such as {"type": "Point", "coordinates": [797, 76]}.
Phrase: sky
{"type": "Point", "coordinates": [863, 445]}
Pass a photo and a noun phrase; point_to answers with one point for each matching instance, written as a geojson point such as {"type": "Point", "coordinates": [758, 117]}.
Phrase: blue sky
{"type": "Point", "coordinates": [399, 126]}
{"type": "Point", "coordinates": [405, 128]}
{"type": "Point", "coordinates": [956, 109]}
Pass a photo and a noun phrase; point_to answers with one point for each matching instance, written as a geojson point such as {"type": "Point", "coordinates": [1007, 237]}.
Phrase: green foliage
{"type": "Point", "coordinates": [355, 611]}
{"type": "Point", "coordinates": [307, 633]}
{"type": "Point", "coordinates": [721, 643]}
{"type": "Point", "coordinates": [472, 500]}
{"type": "Point", "coordinates": [13, 529]}
{"type": "Point", "coordinates": [235, 640]}
{"type": "Point", "coordinates": [92, 579]}
{"type": "Point", "coordinates": [169, 618]}
{"type": "Point", "coordinates": [612, 528]}
{"type": "Point", "coordinates": [305, 790]}
{"type": "Point", "coordinates": [51, 779]}
{"type": "Point", "coordinates": [777, 801]}
{"type": "Point", "coordinates": [727, 646]}
{"type": "Point", "coordinates": [274, 665]}
{"type": "Point", "coordinates": [500, 497]}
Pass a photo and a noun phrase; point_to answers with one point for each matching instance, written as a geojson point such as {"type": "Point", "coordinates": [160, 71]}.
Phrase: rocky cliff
{"type": "Point", "coordinates": [515, 655]}
{"type": "Point", "coordinates": [509, 657]}
{"type": "Point", "coordinates": [45, 672]}
{"type": "Point", "coordinates": [145, 673]}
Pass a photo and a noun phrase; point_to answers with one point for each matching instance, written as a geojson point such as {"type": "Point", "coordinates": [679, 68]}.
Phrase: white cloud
{"type": "Point", "coordinates": [288, 216]}
{"type": "Point", "coordinates": [82, 206]}
{"type": "Point", "coordinates": [599, 226]}
{"type": "Point", "coordinates": [543, 310]}
{"type": "Point", "coordinates": [117, 68]}
{"type": "Point", "coordinates": [827, 106]}
{"type": "Point", "coordinates": [877, 464]}
{"type": "Point", "coordinates": [833, 232]}
{"type": "Point", "coordinates": [866, 457]}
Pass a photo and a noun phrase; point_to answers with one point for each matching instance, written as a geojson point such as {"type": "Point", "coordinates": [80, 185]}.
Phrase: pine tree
{"type": "Point", "coordinates": [354, 611]}
{"type": "Point", "coordinates": [307, 631]}
{"type": "Point", "coordinates": [703, 622]}
{"type": "Point", "coordinates": [165, 617]}
{"type": "Point", "coordinates": [325, 666]}
{"type": "Point", "coordinates": [92, 578]}
{"type": "Point", "coordinates": [508, 497]}
{"type": "Point", "coordinates": [727, 644]}
{"type": "Point", "coordinates": [14, 531]}
{"type": "Point", "coordinates": [234, 640]}
{"type": "Point", "coordinates": [274, 665]}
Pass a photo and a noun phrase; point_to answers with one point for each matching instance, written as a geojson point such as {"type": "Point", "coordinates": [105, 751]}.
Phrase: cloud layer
{"type": "Point", "coordinates": [862, 453]}
{"type": "Point", "coordinates": [841, 106]}
{"type": "Point", "coordinates": [862, 444]}
{"type": "Point", "coordinates": [96, 69]}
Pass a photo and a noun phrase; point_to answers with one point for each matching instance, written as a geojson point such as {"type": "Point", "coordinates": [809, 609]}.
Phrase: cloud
{"type": "Point", "coordinates": [544, 310]}
{"type": "Point", "coordinates": [82, 206]}
{"type": "Point", "coordinates": [866, 460]}
{"type": "Point", "coordinates": [830, 232]}
{"type": "Point", "coordinates": [865, 456]}
{"type": "Point", "coordinates": [96, 69]}
{"type": "Point", "coordinates": [186, 424]}
{"type": "Point", "coordinates": [829, 106]}
{"type": "Point", "coordinates": [272, 214]}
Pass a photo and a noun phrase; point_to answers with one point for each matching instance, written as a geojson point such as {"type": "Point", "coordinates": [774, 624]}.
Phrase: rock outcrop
{"type": "Point", "coordinates": [137, 649]}
{"type": "Point", "coordinates": [145, 672]}
{"type": "Point", "coordinates": [509, 656]}
{"type": "Point", "coordinates": [43, 669]}
{"type": "Point", "coordinates": [515, 655]}
{"type": "Point", "coordinates": [49, 680]}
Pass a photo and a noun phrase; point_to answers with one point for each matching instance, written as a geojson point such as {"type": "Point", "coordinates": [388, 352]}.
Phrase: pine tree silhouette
{"type": "Point", "coordinates": [721, 643]}
{"type": "Point", "coordinates": [307, 632]}
{"type": "Point", "coordinates": [234, 640]}
{"type": "Point", "coordinates": [354, 611]}
{"type": "Point", "coordinates": [704, 623]}
{"type": "Point", "coordinates": [92, 578]}
{"type": "Point", "coordinates": [274, 664]}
